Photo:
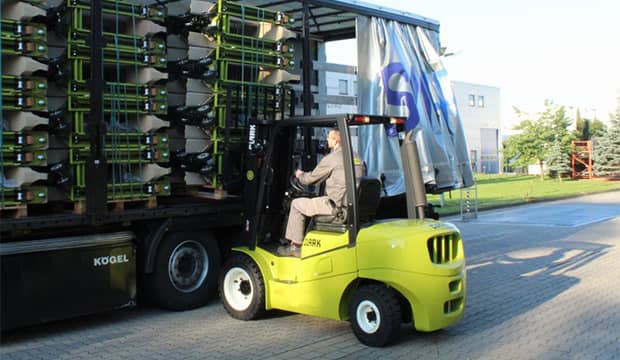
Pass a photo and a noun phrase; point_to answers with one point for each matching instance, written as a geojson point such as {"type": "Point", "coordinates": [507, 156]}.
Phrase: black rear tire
{"type": "Point", "coordinates": [186, 271]}
{"type": "Point", "coordinates": [375, 315]}
{"type": "Point", "coordinates": [242, 288]}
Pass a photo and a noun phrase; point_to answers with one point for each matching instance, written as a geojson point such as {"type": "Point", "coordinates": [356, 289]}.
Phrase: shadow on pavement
{"type": "Point", "coordinates": [74, 325]}
{"type": "Point", "coordinates": [509, 275]}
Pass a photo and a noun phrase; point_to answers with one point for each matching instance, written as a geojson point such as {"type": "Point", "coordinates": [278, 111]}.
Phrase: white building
{"type": "Point", "coordinates": [341, 84]}
{"type": "Point", "coordinates": [479, 106]}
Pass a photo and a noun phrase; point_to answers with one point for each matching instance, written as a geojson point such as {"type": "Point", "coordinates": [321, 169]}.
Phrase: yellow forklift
{"type": "Point", "coordinates": [361, 264]}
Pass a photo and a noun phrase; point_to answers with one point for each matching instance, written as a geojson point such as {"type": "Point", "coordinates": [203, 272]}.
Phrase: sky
{"type": "Point", "coordinates": [567, 51]}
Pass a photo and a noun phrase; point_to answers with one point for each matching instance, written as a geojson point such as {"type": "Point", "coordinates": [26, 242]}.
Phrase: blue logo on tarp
{"type": "Point", "coordinates": [407, 98]}
{"type": "Point", "coordinates": [401, 98]}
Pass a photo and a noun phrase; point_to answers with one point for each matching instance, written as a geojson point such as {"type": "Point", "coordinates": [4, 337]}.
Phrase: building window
{"type": "Point", "coordinates": [480, 101]}
{"type": "Point", "coordinates": [343, 87]}
{"type": "Point", "coordinates": [472, 100]}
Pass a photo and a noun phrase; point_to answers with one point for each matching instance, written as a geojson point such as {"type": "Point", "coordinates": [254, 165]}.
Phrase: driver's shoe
{"type": "Point", "coordinates": [289, 250]}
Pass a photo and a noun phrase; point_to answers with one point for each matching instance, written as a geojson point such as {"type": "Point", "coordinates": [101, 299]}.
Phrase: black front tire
{"type": "Point", "coordinates": [375, 315]}
{"type": "Point", "coordinates": [242, 288]}
{"type": "Point", "coordinates": [186, 271]}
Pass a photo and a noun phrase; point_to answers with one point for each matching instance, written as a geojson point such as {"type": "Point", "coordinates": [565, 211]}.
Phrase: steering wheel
{"type": "Point", "coordinates": [298, 189]}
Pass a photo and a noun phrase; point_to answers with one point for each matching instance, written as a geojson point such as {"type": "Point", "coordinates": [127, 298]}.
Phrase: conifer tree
{"type": "Point", "coordinates": [558, 161]}
{"type": "Point", "coordinates": [607, 148]}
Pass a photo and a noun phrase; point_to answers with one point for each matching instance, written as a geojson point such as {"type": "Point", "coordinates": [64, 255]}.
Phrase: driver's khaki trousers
{"type": "Point", "coordinates": [301, 208]}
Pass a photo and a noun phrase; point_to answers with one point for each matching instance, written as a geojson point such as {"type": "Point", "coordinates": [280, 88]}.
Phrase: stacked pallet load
{"type": "Point", "coordinates": [23, 120]}
{"type": "Point", "coordinates": [136, 142]}
{"type": "Point", "coordinates": [229, 65]}
{"type": "Point", "coordinates": [182, 81]}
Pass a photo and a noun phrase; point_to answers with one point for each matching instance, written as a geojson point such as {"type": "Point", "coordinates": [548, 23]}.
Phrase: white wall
{"type": "Point", "coordinates": [332, 81]}
{"type": "Point", "coordinates": [478, 117]}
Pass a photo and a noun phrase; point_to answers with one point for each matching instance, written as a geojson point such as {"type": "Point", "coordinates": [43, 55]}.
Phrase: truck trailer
{"type": "Point", "coordinates": [138, 152]}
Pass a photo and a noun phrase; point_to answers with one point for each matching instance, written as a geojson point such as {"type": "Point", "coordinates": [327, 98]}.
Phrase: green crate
{"type": "Point", "coordinates": [120, 190]}
{"type": "Point", "coordinates": [246, 12]}
{"type": "Point", "coordinates": [81, 103]}
{"type": "Point", "coordinates": [229, 29]}
{"type": "Point", "coordinates": [155, 13]}
{"type": "Point", "coordinates": [123, 140]}
{"type": "Point", "coordinates": [23, 84]}
{"type": "Point", "coordinates": [259, 45]}
{"type": "Point", "coordinates": [24, 102]}
{"type": "Point", "coordinates": [31, 48]}
{"type": "Point", "coordinates": [110, 56]}
{"type": "Point", "coordinates": [128, 190]}
{"type": "Point", "coordinates": [23, 196]}
{"type": "Point", "coordinates": [119, 49]}
{"type": "Point", "coordinates": [23, 29]}
{"type": "Point", "coordinates": [249, 57]}
{"type": "Point", "coordinates": [24, 140]}
{"type": "Point", "coordinates": [23, 158]}
{"type": "Point", "coordinates": [122, 42]}
{"type": "Point", "coordinates": [123, 90]}
{"type": "Point", "coordinates": [138, 190]}
{"type": "Point", "coordinates": [226, 69]}
{"type": "Point", "coordinates": [115, 155]}
{"type": "Point", "coordinates": [121, 97]}
{"type": "Point", "coordinates": [136, 156]}
{"type": "Point", "coordinates": [271, 98]}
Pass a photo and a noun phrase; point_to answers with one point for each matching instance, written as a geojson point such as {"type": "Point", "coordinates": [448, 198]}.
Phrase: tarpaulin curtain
{"type": "Point", "coordinates": [400, 73]}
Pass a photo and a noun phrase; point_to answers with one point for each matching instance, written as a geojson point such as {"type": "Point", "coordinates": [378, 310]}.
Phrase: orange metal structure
{"type": "Point", "coordinates": [581, 160]}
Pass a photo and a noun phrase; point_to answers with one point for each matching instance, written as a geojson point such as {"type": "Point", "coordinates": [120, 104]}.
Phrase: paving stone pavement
{"type": "Point", "coordinates": [544, 291]}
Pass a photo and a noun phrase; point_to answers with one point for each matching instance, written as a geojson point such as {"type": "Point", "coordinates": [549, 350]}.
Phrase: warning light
{"type": "Point", "coordinates": [360, 119]}
{"type": "Point", "coordinates": [397, 120]}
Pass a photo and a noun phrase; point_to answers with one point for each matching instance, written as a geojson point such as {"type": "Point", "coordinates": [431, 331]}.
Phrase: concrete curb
{"type": "Point", "coordinates": [534, 201]}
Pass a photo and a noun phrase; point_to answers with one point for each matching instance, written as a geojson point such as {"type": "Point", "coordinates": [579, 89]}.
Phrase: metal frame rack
{"type": "Point", "coordinates": [245, 57]}
{"type": "Point", "coordinates": [223, 66]}
{"type": "Point", "coordinates": [118, 150]}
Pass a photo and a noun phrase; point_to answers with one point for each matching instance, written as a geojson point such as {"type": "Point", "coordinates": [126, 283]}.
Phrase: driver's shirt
{"type": "Point", "coordinates": [331, 170]}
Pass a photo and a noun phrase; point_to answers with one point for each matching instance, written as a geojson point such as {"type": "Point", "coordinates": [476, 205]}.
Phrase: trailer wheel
{"type": "Point", "coordinates": [186, 270]}
{"type": "Point", "coordinates": [242, 288]}
{"type": "Point", "coordinates": [375, 315]}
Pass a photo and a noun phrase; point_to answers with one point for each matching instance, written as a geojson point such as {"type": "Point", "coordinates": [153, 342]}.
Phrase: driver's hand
{"type": "Point", "coordinates": [298, 173]}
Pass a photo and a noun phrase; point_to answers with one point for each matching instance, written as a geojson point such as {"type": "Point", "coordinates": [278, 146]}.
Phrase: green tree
{"type": "Point", "coordinates": [586, 129]}
{"type": "Point", "coordinates": [597, 128]}
{"type": "Point", "coordinates": [582, 127]}
{"type": "Point", "coordinates": [607, 148]}
{"type": "Point", "coordinates": [538, 135]}
{"type": "Point", "coordinates": [558, 161]}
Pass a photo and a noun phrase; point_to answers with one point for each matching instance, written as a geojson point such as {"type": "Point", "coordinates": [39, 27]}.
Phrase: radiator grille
{"type": "Point", "coordinates": [443, 249]}
{"type": "Point", "coordinates": [453, 305]}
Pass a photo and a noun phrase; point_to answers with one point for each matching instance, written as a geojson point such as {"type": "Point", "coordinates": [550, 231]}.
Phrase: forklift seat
{"type": "Point", "coordinates": [368, 195]}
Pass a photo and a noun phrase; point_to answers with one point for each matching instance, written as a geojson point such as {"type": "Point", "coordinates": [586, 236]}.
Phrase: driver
{"type": "Point", "coordinates": [331, 170]}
